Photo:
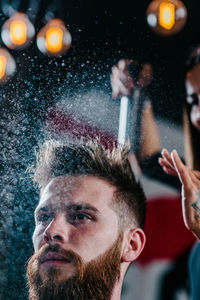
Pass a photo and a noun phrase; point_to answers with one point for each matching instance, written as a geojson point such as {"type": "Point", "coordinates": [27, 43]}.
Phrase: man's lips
{"type": "Point", "coordinates": [54, 258]}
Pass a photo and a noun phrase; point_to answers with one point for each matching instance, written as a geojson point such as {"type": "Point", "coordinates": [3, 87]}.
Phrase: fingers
{"type": "Point", "coordinates": [167, 157]}
{"type": "Point", "coordinates": [194, 178]}
{"type": "Point", "coordinates": [123, 64]}
{"type": "Point", "coordinates": [197, 174]}
{"type": "Point", "coordinates": [182, 170]}
{"type": "Point", "coordinates": [167, 167]}
{"type": "Point", "coordinates": [170, 171]}
{"type": "Point", "coordinates": [173, 165]}
{"type": "Point", "coordinates": [121, 81]}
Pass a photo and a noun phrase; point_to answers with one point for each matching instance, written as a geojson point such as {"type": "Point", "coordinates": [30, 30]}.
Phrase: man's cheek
{"type": "Point", "coordinates": [37, 237]}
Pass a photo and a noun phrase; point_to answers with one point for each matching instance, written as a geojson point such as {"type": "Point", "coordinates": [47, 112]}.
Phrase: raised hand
{"type": "Point", "coordinates": [167, 163]}
{"type": "Point", "coordinates": [190, 180]}
{"type": "Point", "coordinates": [121, 81]}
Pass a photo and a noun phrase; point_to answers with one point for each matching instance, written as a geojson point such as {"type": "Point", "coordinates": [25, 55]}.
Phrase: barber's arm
{"type": "Point", "coordinates": [123, 84]}
{"type": "Point", "coordinates": [190, 180]}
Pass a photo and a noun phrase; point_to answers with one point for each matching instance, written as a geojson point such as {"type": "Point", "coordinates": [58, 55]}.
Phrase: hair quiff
{"type": "Point", "coordinates": [57, 159]}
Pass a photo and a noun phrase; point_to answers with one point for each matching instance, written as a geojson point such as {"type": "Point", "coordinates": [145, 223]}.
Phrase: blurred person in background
{"type": "Point", "coordinates": [123, 83]}
{"type": "Point", "coordinates": [189, 174]}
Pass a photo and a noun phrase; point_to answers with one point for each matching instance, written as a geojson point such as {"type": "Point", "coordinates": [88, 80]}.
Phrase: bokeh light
{"type": "Point", "coordinates": [7, 65]}
{"type": "Point", "coordinates": [17, 32]}
{"type": "Point", "coordinates": [54, 39]}
{"type": "Point", "coordinates": [166, 17]}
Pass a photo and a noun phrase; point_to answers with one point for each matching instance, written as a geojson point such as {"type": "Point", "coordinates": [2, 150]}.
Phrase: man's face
{"type": "Point", "coordinates": [75, 228]}
{"type": "Point", "coordinates": [193, 94]}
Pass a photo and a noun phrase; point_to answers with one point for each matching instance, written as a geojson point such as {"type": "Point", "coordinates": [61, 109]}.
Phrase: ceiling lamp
{"type": "Point", "coordinates": [54, 39]}
{"type": "Point", "coordinates": [166, 17]}
{"type": "Point", "coordinates": [7, 65]}
{"type": "Point", "coordinates": [17, 32]}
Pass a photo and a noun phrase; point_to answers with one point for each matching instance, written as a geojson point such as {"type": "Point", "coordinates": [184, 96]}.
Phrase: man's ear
{"type": "Point", "coordinates": [134, 241]}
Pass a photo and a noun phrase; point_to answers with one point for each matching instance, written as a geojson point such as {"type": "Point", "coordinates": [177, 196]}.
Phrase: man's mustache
{"type": "Point", "coordinates": [56, 252]}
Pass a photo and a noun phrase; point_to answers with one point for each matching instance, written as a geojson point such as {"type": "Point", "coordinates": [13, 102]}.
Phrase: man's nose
{"type": "Point", "coordinates": [56, 231]}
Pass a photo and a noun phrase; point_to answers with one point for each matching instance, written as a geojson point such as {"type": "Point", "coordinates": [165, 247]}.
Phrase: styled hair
{"type": "Point", "coordinates": [191, 134]}
{"type": "Point", "coordinates": [57, 159]}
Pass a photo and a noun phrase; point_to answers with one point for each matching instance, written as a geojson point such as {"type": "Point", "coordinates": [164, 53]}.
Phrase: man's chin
{"type": "Point", "coordinates": [55, 272]}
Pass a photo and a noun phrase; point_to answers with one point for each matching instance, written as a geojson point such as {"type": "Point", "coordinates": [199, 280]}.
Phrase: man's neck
{"type": "Point", "coordinates": [116, 294]}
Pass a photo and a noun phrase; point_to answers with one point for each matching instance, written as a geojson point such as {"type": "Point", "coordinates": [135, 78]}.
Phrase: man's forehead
{"type": "Point", "coordinates": [63, 186]}
{"type": "Point", "coordinates": [68, 189]}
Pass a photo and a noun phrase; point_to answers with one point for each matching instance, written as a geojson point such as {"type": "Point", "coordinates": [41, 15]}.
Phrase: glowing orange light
{"type": "Point", "coordinates": [18, 32]}
{"type": "Point", "coordinates": [2, 66]}
{"type": "Point", "coordinates": [54, 39]}
{"type": "Point", "coordinates": [167, 15]}
{"type": "Point", "coordinates": [7, 65]}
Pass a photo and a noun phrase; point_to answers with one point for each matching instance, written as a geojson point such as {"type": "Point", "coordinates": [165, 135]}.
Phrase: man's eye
{"type": "Point", "coordinates": [43, 218]}
{"type": "Point", "coordinates": [78, 217]}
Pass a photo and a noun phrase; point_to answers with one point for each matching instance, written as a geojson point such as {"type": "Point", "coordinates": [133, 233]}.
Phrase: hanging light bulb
{"type": "Point", "coordinates": [54, 39]}
{"type": "Point", "coordinates": [17, 32]}
{"type": "Point", "coordinates": [7, 65]}
{"type": "Point", "coordinates": [166, 17]}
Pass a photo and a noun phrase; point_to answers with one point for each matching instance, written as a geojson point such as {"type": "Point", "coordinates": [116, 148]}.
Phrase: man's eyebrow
{"type": "Point", "coordinates": [82, 206]}
{"type": "Point", "coordinates": [72, 206]}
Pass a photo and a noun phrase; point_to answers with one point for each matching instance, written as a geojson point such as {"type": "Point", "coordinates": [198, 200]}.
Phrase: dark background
{"type": "Point", "coordinates": [102, 33]}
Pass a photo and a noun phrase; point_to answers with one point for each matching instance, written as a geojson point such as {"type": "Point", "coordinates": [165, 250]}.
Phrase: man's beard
{"type": "Point", "coordinates": [90, 281]}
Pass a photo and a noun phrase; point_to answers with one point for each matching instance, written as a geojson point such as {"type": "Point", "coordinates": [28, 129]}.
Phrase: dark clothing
{"type": "Point", "coordinates": [151, 168]}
